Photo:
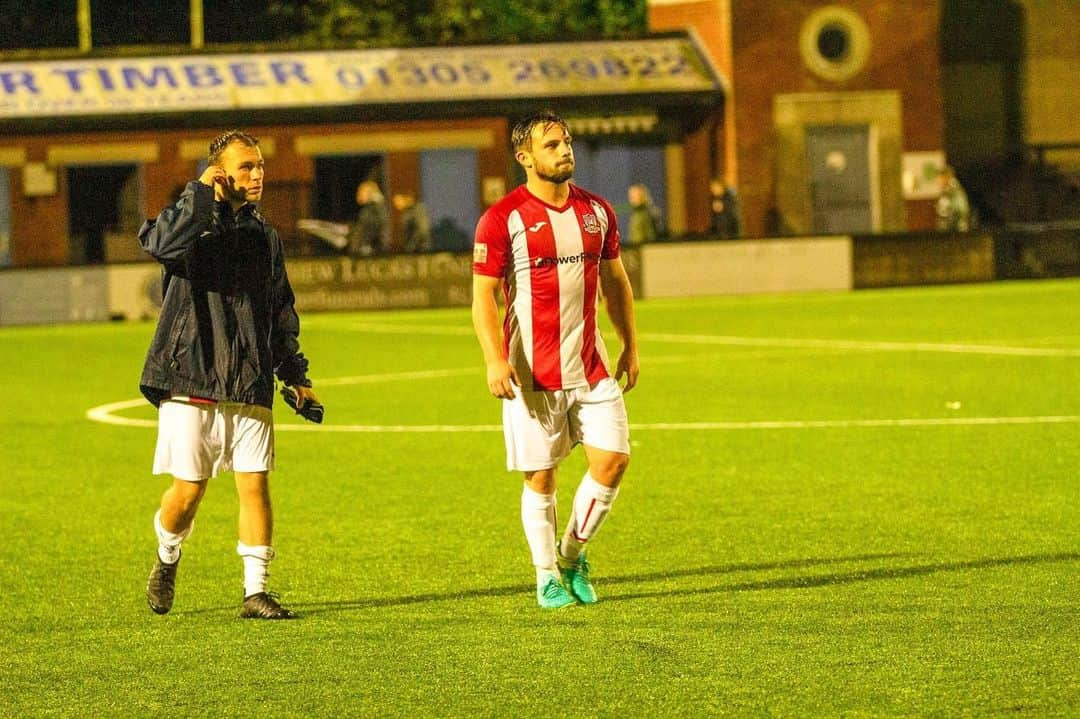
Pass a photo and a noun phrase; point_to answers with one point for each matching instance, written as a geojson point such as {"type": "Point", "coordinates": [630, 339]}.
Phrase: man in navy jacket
{"type": "Point", "coordinates": [227, 325]}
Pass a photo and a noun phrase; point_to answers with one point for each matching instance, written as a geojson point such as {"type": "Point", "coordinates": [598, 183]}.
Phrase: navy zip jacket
{"type": "Point", "coordinates": [227, 319]}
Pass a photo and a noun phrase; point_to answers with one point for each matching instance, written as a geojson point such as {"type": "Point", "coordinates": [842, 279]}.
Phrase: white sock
{"type": "Point", "coordinates": [592, 502]}
{"type": "Point", "coordinates": [543, 575]}
{"type": "Point", "coordinates": [256, 566]}
{"type": "Point", "coordinates": [538, 519]}
{"type": "Point", "coordinates": [168, 542]}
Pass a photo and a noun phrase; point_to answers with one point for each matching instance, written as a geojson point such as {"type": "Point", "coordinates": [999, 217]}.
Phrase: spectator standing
{"type": "Point", "coordinates": [952, 208]}
{"type": "Point", "coordinates": [646, 224]}
{"type": "Point", "coordinates": [370, 234]}
{"type": "Point", "coordinates": [415, 223]}
{"type": "Point", "coordinates": [726, 218]}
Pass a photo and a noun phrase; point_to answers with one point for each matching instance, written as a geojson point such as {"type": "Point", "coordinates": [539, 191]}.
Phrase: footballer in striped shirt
{"type": "Point", "coordinates": [548, 247]}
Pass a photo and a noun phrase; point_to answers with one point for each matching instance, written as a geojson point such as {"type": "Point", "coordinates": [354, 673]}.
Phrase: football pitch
{"type": "Point", "coordinates": [856, 504]}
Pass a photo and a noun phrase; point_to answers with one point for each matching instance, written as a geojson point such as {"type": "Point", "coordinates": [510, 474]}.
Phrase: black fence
{"type": "Point", "coordinates": [1032, 251]}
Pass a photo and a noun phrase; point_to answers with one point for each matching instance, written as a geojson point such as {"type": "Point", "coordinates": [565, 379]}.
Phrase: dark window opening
{"type": "Point", "coordinates": [104, 207]}
{"type": "Point", "coordinates": [336, 180]}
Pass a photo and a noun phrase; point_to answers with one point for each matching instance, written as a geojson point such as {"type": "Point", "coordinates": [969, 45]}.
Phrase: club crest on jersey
{"type": "Point", "coordinates": [479, 253]}
{"type": "Point", "coordinates": [590, 223]}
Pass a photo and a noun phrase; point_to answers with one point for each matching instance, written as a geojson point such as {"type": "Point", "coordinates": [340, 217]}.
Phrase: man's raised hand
{"type": "Point", "coordinates": [214, 174]}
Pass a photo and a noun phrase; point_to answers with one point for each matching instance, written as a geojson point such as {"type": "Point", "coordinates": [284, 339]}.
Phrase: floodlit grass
{"type": "Point", "coordinates": [796, 553]}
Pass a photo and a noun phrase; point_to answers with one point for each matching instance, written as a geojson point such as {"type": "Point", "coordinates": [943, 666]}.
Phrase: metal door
{"type": "Point", "coordinates": [840, 183]}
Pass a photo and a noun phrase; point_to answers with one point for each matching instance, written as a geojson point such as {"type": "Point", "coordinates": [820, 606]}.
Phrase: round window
{"type": "Point", "coordinates": [834, 43]}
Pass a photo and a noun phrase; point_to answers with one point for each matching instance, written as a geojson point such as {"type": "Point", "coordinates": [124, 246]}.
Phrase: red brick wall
{"type": "Point", "coordinates": [39, 227]}
{"type": "Point", "coordinates": [711, 149]}
{"type": "Point", "coordinates": [711, 19]}
{"type": "Point", "coordinates": [755, 44]}
{"type": "Point", "coordinates": [903, 56]}
{"type": "Point", "coordinates": [39, 232]}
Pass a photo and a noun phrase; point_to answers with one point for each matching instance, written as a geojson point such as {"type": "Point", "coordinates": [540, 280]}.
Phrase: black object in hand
{"type": "Point", "coordinates": [311, 410]}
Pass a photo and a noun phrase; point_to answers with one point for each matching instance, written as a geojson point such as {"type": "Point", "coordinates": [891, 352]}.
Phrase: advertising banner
{"type": "Point", "coordinates": [404, 281]}
{"type": "Point", "coordinates": [96, 86]}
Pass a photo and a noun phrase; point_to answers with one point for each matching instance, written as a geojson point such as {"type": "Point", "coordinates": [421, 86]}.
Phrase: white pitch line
{"type": "Point", "coordinates": [418, 374]}
{"type": "Point", "coordinates": [457, 372]}
{"type": "Point", "coordinates": [396, 329]}
{"type": "Point", "coordinates": [886, 294]}
{"type": "Point", "coordinates": [788, 342]}
{"type": "Point", "coordinates": [391, 428]}
{"type": "Point", "coordinates": [812, 343]}
{"type": "Point", "coordinates": [849, 423]}
{"type": "Point", "coordinates": [104, 413]}
{"type": "Point", "coordinates": [706, 426]}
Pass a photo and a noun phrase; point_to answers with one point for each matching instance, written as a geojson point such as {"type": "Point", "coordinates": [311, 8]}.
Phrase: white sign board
{"type": "Point", "coordinates": [111, 86]}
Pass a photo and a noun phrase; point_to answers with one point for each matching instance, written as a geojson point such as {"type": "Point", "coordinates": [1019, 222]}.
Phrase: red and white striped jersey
{"type": "Point", "coordinates": [549, 259]}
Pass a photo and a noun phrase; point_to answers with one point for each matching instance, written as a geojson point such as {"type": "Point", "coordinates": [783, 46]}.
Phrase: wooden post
{"type": "Point", "coordinates": [83, 20]}
{"type": "Point", "coordinates": [197, 35]}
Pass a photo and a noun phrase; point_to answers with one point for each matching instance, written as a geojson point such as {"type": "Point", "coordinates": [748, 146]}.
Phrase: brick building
{"type": "Point", "coordinates": [825, 101]}
{"type": "Point", "coordinates": [827, 117]}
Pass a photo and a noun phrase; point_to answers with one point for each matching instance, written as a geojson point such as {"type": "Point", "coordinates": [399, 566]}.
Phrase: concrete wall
{"type": "Point", "coordinates": [695, 269]}
{"type": "Point", "coordinates": [683, 269]}
{"type": "Point", "coordinates": [53, 296]}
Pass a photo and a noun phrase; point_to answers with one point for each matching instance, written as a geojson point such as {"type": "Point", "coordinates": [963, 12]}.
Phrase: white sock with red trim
{"type": "Point", "coordinates": [538, 520]}
{"type": "Point", "coordinates": [592, 502]}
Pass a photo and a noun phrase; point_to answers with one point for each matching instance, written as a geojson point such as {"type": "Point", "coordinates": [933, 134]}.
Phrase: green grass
{"type": "Point", "coordinates": [751, 570]}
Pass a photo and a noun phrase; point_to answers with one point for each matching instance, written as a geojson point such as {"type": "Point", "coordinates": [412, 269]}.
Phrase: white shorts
{"type": "Point", "coordinates": [198, 441]}
{"type": "Point", "coordinates": [542, 427]}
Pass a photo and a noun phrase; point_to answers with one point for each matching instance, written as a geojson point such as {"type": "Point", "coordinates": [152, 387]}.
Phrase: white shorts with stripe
{"type": "Point", "coordinates": [542, 427]}
{"type": "Point", "coordinates": [197, 441]}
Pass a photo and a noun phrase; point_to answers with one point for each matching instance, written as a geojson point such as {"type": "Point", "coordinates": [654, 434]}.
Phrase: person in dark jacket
{"type": "Point", "coordinates": [370, 234]}
{"type": "Point", "coordinates": [415, 223]}
{"type": "Point", "coordinates": [726, 220]}
{"type": "Point", "coordinates": [227, 325]}
{"type": "Point", "coordinates": [646, 225]}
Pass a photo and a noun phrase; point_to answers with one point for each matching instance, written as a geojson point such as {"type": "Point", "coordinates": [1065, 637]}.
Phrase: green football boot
{"type": "Point", "coordinates": [575, 576]}
{"type": "Point", "coordinates": [551, 594]}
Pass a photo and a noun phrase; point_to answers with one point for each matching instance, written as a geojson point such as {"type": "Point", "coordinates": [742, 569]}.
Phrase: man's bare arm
{"type": "Point", "coordinates": [619, 302]}
{"type": "Point", "coordinates": [501, 377]}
